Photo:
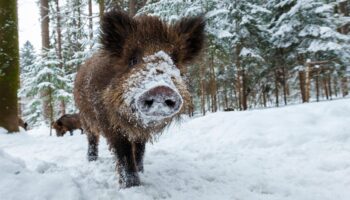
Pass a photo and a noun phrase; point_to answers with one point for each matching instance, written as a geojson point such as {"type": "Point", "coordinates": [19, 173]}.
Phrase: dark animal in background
{"type": "Point", "coordinates": [22, 124]}
{"type": "Point", "coordinates": [68, 122]}
{"type": "Point", "coordinates": [132, 88]}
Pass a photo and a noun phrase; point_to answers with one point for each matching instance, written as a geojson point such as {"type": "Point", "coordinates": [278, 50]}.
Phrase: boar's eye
{"type": "Point", "coordinates": [133, 61]}
{"type": "Point", "coordinates": [134, 58]}
{"type": "Point", "coordinates": [174, 56]}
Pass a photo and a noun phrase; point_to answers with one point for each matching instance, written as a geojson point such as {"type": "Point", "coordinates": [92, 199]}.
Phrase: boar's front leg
{"type": "Point", "coordinates": [93, 140]}
{"type": "Point", "coordinates": [139, 149]}
{"type": "Point", "coordinates": [126, 165]}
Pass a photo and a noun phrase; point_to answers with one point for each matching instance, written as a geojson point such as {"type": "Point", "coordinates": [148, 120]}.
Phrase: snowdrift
{"type": "Point", "coordinates": [295, 152]}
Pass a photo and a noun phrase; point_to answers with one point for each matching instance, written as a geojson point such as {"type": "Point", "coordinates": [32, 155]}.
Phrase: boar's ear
{"type": "Point", "coordinates": [116, 26]}
{"type": "Point", "coordinates": [59, 123]}
{"type": "Point", "coordinates": [191, 34]}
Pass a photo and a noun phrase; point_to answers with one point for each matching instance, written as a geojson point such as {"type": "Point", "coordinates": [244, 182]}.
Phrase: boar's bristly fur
{"type": "Point", "coordinates": [132, 88]}
{"type": "Point", "coordinates": [116, 27]}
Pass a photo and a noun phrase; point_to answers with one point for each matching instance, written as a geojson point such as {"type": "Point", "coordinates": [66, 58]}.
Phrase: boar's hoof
{"type": "Point", "coordinates": [129, 180]}
{"type": "Point", "coordinates": [92, 158]}
{"type": "Point", "coordinates": [140, 167]}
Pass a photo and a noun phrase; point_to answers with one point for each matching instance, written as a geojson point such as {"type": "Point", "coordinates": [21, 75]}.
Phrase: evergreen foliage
{"type": "Point", "coordinates": [258, 53]}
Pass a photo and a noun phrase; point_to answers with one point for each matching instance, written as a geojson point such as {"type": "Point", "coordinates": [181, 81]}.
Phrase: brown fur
{"type": "Point", "coordinates": [102, 81]}
{"type": "Point", "coordinates": [22, 124]}
{"type": "Point", "coordinates": [67, 122]}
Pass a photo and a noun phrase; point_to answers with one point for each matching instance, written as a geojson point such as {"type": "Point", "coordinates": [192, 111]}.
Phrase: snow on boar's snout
{"type": "Point", "coordinates": [160, 101]}
{"type": "Point", "coordinates": [151, 91]}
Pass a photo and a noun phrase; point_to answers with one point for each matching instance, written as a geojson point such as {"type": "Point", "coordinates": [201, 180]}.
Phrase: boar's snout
{"type": "Point", "coordinates": [160, 101]}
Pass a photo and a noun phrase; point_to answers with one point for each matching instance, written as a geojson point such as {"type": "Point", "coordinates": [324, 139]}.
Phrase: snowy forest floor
{"type": "Point", "coordinates": [299, 152]}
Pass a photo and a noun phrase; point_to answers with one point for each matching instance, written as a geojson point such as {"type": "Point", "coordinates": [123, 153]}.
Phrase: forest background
{"type": "Point", "coordinates": [259, 53]}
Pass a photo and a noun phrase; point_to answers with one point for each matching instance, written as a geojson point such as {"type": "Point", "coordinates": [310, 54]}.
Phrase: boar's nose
{"type": "Point", "coordinates": [160, 101]}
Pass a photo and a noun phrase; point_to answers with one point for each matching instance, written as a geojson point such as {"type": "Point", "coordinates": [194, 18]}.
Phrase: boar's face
{"type": "Point", "coordinates": [59, 127]}
{"type": "Point", "coordinates": [151, 57]}
{"type": "Point", "coordinates": [152, 90]}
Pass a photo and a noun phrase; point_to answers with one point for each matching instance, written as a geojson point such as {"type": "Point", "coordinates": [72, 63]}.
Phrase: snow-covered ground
{"type": "Point", "coordinates": [299, 152]}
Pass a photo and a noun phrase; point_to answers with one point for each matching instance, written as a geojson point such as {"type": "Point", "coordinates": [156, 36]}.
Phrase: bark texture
{"type": "Point", "coordinates": [9, 65]}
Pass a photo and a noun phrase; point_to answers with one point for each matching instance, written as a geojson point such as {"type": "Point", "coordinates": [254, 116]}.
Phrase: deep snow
{"type": "Point", "coordinates": [299, 152]}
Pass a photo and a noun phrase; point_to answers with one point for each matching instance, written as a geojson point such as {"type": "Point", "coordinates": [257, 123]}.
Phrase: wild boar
{"type": "Point", "coordinates": [67, 122]}
{"type": "Point", "coordinates": [133, 87]}
{"type": "Point", "coordinates": [22, 124]}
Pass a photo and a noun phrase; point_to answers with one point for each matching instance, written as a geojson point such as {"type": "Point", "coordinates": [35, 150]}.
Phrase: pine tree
{"type": "Point", "coordinates": [302, 30]}
{"type": "Point", "coordinates": [44, 74]}
{"type": "Point", "coordinates": [27, 59]}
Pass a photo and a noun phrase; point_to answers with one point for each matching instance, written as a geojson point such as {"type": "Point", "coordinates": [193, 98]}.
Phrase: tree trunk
{"type": "Point", "coordinates": [79, 18]}
{"type": "Point", "coordinates": [244, 90]}
{"type": "Point", "coordinates": [59, 49]}
{"type": "Point", "coordinates": [63, 107]}
{"type": "Point", "coordinates": [264, 98]}
{"type": "Point", "coordinates": [276, 87]}
{"type": "Point", "coordinates": [343, 8]}
{"type": "Point", "coordinates": [335, 88]}
{"type": "Point", "coordinates": [307, 82]}
{"type": "Point", "coordinates": [19, 100]}
{"type": "Point", "coordinates": [91, 34]}
{"type": "Point", "coordinates": [59, 33]}
{"type": "Point", "coordinates": [344, 86]}
{"type": "Point", "coordinates": [317, 85]}
{"type": "Point", "coordinates": [236, 98]}
{"type": "Point", "coordinates": [191, 107]}
{"type": "Point", "coordinates": [213, 87]}
{"type": "Point", "coordinates": [9, 65]}
{"type": "Point", "coordinates": [282, 73]}
{"type": "Point", "coordinates": [44, 15]}
{"type": "Point", "coordinates": [143, 3]}
{"type": "Point", "coordinates": [230, 96]}
{"type": "Point", "coordinates": [202, 83]}
{"type": "Point", "coordinates": [45, 43]}
{"type": "Point", "coordinates": [329, 83]}
{"type": "Point", "coordinates": [325, 87]}
{"type": "Point", "coordinates": [239, 85]}
{"type": "Point", "coordinates": [50, 107]}
{"type": "Point", "coordinates": [132, 7]}
{"type": "Point", "coordinates": [101, 4]}
{"type": "Point", "coordinates": [302, 86]}
{"type": "Point", "coordinates": [285, 85]}
{"type": "Point", "coordinates": [225, 95]}
{"type": "Point", "coordinates": [208, 101]}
